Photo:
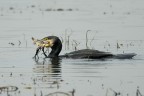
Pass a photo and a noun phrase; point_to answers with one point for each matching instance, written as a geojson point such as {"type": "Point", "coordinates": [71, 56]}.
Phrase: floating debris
{"type": "Point", "coordinates": [59, 94]}
{"type": "Point", "coordinates": [11, 43]}
{"type": "Point", "coordinates": [8, 89]}
{"type": "Point", "coordinates": [28, 87]}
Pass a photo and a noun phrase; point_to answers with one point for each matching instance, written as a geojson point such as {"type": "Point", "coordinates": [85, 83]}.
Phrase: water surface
{"type": "Point", "coordinates": [115, 26]}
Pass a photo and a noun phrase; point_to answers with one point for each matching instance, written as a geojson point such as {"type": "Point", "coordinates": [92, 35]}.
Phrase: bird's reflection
{"type": "Point", "coordinates": [47, 70]}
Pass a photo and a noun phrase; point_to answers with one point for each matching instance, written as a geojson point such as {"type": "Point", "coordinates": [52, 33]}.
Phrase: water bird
{"type": "Point", "coordinates": [55, 44]}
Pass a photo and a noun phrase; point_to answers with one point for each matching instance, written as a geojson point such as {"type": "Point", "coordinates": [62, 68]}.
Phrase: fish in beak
{"type": "Point", "coordinates": [45, 42]}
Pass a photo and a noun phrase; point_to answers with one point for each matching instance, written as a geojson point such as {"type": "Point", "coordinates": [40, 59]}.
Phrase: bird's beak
{"type": "Point", "coordinates": [34, 40]}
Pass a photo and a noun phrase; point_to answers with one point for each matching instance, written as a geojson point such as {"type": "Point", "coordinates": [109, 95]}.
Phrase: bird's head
{"type": "Point", "coordinates": [51, 41]}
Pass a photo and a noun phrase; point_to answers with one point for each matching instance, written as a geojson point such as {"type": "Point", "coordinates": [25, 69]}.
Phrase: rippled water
{"type": "Point", "coordinates": [82, 77]}
{"type": "Point", "coordinates": [115, 26]}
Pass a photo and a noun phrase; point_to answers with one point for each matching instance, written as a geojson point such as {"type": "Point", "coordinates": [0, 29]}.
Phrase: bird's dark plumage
{"type": "Point", "coordinates": [56, 45]}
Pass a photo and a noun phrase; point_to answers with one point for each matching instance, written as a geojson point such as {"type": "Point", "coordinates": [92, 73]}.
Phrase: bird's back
{"type": "Point", "coordinates": [88, 53]}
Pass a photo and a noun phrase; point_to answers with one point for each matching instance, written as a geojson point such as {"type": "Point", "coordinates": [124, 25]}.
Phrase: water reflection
{"type": "Point", "coordinates": [47, 72]}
